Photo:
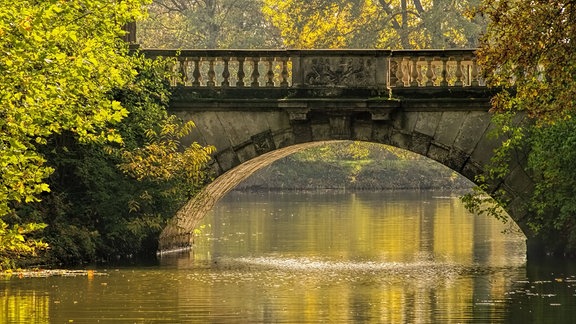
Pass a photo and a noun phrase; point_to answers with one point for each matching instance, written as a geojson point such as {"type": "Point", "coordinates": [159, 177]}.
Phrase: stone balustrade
{"type": "Point", "coordinates": [434, 68]}
{"type": "Point", "coordinates": [326, 69]}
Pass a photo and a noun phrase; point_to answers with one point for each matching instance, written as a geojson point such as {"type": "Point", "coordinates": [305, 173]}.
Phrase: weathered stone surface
{"type": "Point", "coordinates": [485, 148]}
{"type": "Point", "coordinates": [340, 127]}
{"type": "Point", "coordinates": [471, 169]}
{"type": "Point", "coordinates": [449, 127]}
{"type": "Point", "coordinates": [263, 142]}
{"type": "Point", "coordinates": [420, 144]}
{"type": "Point", "coordinates": [208, 130]}
{"type": "Point", "coordinates": [245, 153]}
{"type": "Point", "coordinates": [519, 182]}
{"type": "Point", "coordinates": [381, 132]}
{"type": "Point", "coordinates": [302, 132]}
{"type": "Point", "coordinates": [399, 139]}
{"type": "Point", "coordinates": [427, 122]}
{"type": "Point", "coordinates": [330, 72]}
{"type": "Point", "coordinates": [321, 131]}
{"type": "Point", "coordinates": [405, 121]}
{"type": "Point", "coordinates": [238, 126]}
{"type": "Point", "coordinates": [362, 130]}
{"type": "Point", "coordinates": [456, 159]}
{"type": "Point", "coordinates": [227, 159]}
{"type": "Point", "coordinates": [438, 153]}
{"type": "Point", "coordinates": [472, 130]}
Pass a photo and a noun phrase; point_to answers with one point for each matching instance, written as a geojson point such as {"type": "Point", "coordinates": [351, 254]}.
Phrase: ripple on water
{"type": "Point", "coordinates": [421, 270]}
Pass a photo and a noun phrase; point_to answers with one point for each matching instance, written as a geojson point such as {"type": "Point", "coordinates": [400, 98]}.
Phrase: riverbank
{"type": "Point", "coordinates": [44, 273]}
{"type": "Point", "coordinates": [368, 175]}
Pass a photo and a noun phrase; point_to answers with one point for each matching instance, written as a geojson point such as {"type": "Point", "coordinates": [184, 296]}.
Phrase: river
{"type": "Point", "coordinates": [386, 257]}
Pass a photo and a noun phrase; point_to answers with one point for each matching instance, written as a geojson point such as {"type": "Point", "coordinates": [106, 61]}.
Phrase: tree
{"type": "Point", "coordinates": [110, 201]}
{"type": "Point", "coordinates": [59, 61]}
{"type": "Point", "coordinates": [529, 53]}
{"type": "Point", "coordinates": [207, 24]}
{"type": "Point", "coordinates": [67, 82]}
{"type": "Point", "coordinates": [374, 23]}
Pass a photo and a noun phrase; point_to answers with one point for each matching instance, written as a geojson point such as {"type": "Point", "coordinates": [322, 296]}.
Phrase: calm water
{"type": "Point", "coordinates": [319, 258]}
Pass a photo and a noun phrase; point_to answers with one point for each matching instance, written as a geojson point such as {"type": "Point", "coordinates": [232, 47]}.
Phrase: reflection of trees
{"type": "Point", "coordinates": [395, 227]}
{"type": "Point", "coordinates": [24, 306]}
{"type": "Point", "coordinates": [388, 226]}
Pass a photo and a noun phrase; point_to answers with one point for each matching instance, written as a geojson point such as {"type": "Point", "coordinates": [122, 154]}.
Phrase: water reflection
{"type": "Point", "coordinates": [17, 306]}
{"type": "Point", "coordinates": [402, 227]}
{"type": "Point", "coordinates": [412, 257]}
{"type": "Point", "coordinates": [336, 258]}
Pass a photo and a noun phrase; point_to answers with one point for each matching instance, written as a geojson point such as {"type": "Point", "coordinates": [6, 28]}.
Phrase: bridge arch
{"type": "Point", "coordinates": [251, 134]}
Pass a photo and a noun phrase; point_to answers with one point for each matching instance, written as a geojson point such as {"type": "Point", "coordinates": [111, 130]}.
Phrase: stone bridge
{"type": "Point", "coordinates": [257, 106]}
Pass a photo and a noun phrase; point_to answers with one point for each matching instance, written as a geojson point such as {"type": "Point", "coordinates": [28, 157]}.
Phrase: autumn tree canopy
{"type": "Point", "coordinates": [394, 24]}
{"type": "Point", "coordinates": [529, 53]}
{"type": "Point", "coordinates": [207, 24]}
{"type": "Point", "coordinates": [391, 24]}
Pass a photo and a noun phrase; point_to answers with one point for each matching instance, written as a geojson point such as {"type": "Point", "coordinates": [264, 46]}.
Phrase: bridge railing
{"type": "Point", "coordinates": [434, 68]}
{"type": "Point", "coordinates": [377, 69]}
{"type": "Point", "coordinates": [229, 68]}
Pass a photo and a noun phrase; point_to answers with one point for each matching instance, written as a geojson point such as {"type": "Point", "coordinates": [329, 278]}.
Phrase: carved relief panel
{"type": "Point", "coordinates": [354, 72]}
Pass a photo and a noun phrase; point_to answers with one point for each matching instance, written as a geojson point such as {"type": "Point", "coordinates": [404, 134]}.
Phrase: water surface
{"type": "Point", "coordinates": [399, 257]}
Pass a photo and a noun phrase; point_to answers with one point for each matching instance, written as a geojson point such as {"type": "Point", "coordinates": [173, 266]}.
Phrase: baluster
{"type": "Point", "coordinates": [414, 74]}
{"type": "Point", "coordinates": [458, 72]}
{"type": "Point", "coordinates": [444, 82]}
{"type": "Point", "coordinates": [211, 74]}
{"type": "Point", "coordinates": [420, 75]}
{"type": "Point", "coordinates": [240, 74]}
{"type": "Point", "coordinates": [225, 73]}
{"type": "Point", "coordinates": [270, 73]}
{"type": "Point", "coordinates": [284, 74]}
{"type": "Point", "coordinates": [399, 73]}
{"type": "Point", "coordinates": [393, 67]}
{"type": "Point", "coordinates": [196, 72]}
{"type": "Point", "coordinates": [474, 73]}
{"type": "Point", "coordinates": [255, 74]}
{"type": "Point", "coordinates": [429, 72]}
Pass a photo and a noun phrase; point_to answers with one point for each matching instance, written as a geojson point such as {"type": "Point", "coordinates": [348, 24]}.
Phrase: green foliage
{"type": "Point", "coordinates": [109, 200]}
{"type": "Point", "coordinates": [480, 203]}
{"type": "Point", "coordinates": [552, 163]}
{"type": "Point", "coordinates": [528, 52]}
{"type": "Point", "coordinates": [59, 61]}
{"type": "Point", "coordinates": [14, 243]}
{"type": "Point", "coordinates": [160, 158]}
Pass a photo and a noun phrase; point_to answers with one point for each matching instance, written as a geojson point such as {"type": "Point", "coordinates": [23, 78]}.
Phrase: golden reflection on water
{"type": "Point", "coordinates": [24, 307]}
{"type": "Point", "coordinates": [433, 241]}
{"type": "Point", "coordinates": [338, 258]}
{"type": "Point", "coordinates": [375, 226]}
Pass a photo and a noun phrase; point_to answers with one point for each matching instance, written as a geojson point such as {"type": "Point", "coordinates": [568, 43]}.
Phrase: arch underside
{"type": "Point", "coordinates": [457, 139]}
